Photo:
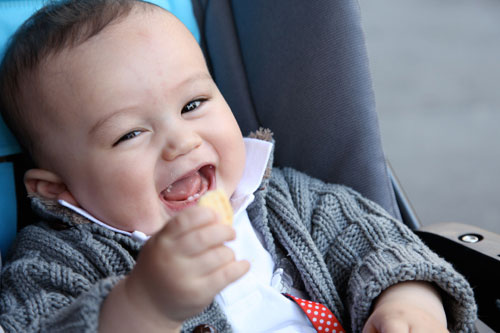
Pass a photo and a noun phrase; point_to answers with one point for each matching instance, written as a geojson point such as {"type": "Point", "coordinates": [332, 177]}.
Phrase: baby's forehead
{"type": "Point", "coordinates": [143, 15]}
{"type": "Point", "coordinates": [124, 28]}
{"type": "Point", "coordinates": [108, 60]}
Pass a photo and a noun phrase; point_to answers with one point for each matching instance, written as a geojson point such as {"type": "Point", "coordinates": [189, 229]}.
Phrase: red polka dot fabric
{"type": "Point", "coordinates": [321, 318]}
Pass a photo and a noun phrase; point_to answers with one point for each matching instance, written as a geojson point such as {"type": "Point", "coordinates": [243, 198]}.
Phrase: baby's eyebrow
{"type": "Point", "coordinates": [121, 112]}
{"type": "Point", "coordinates": [201, 76]}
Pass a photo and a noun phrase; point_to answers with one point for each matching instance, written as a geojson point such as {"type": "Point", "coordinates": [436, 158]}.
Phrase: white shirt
{"type": "Point", "coordinates": [254, 303]}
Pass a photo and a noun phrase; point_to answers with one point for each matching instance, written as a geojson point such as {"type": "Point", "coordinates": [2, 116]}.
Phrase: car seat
{"type": "Point", "coordinates": [301, 69]}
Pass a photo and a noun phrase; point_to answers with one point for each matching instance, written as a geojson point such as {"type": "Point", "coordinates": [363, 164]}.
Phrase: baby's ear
{"type": "Point", "coordinates": [47, 185]}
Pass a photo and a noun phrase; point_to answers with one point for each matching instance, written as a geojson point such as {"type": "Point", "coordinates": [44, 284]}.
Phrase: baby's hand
{"type": "Point", "coordinates": [407, 307]}
{"type": "Point", "coordinates": [181, 268]}
{"type": "Point", "coordinates": [401, 318]}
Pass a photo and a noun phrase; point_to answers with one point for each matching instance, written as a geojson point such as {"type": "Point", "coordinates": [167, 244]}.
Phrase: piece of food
{"type": "Point", "coordinates": [218, 201]}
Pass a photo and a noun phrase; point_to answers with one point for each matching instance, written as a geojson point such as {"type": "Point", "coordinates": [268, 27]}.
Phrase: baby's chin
{"type": "Point", "coordinates": [148, 222]}
{"type": "Point", "coordinates": [154, 225]}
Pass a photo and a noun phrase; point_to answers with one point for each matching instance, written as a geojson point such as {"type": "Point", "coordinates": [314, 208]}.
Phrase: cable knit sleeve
{"type": "Point", "coordinates": [359, 250]}
{"type": "Point", "coordinates": [389, 253]}
{"type": "Point", "coordinates": [56, 281]}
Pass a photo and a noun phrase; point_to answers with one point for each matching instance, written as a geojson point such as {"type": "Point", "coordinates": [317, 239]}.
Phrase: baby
{"type": "Point", "coordinates": [114, 102]}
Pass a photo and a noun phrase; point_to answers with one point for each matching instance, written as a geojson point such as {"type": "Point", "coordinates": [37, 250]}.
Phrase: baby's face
{"type": "Point", "coordinates": [139, 130]}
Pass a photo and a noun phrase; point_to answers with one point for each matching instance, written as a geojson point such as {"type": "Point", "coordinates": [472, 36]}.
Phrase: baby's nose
{"type": "Point", "coordinates": [180, 143]}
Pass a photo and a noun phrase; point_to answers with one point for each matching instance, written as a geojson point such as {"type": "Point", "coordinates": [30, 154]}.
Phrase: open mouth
{"type": "Point", "coordinates": [186, 191]}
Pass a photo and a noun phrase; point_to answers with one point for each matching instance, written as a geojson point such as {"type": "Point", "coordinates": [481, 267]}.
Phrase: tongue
{"type": "Point", "coordinates": [183, 188]}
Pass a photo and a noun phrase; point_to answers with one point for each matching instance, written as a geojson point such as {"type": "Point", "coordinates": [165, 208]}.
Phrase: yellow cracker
{"type": "Point", "coordinates": [218, 201]}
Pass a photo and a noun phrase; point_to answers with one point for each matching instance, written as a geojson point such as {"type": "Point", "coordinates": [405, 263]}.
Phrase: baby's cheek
{"type": "Point", "coordinates": [231, 173]}
{"type": "Point", "coordinates": [129, 200]}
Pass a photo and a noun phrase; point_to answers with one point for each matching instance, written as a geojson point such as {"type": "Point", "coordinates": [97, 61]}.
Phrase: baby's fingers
{"type": "Point", "coordinates": [398, 324]}
{"type": "Point", "coordinates": [212, 260]}
{"type": "Point", "coordinates": [391, 327]}
{"type": "Point", "coordinates": [204, 239]}
{"type": "Point", "coordinates": [188, 220]}
{"type": "Point", "coordinates": [220, 278]}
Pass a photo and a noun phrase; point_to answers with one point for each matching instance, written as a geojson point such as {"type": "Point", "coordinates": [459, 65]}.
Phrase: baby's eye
{"type": "Point", "coordinates": [192, 105]}
{"type": "Point", "coordinates": [128, 136]}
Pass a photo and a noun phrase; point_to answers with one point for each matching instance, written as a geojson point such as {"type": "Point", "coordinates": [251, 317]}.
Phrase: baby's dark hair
{"type": "Point", "coordinates": [57, 26]}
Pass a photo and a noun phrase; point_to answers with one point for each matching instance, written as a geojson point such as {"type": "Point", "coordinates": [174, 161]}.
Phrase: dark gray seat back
{"type": "Point", "coordinates": [300, 68]}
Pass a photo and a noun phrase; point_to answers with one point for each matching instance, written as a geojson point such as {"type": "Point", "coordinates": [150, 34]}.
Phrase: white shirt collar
{"type": "Point", "coordinates": [258, 153]}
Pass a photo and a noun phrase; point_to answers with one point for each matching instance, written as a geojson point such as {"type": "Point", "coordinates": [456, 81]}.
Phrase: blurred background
{"type": "Point", "coordinates": [436, 71]}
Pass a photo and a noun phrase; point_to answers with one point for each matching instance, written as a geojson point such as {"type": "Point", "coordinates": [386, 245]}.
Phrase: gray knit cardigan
{"type": "Point", "coordinates": [341, 249]}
